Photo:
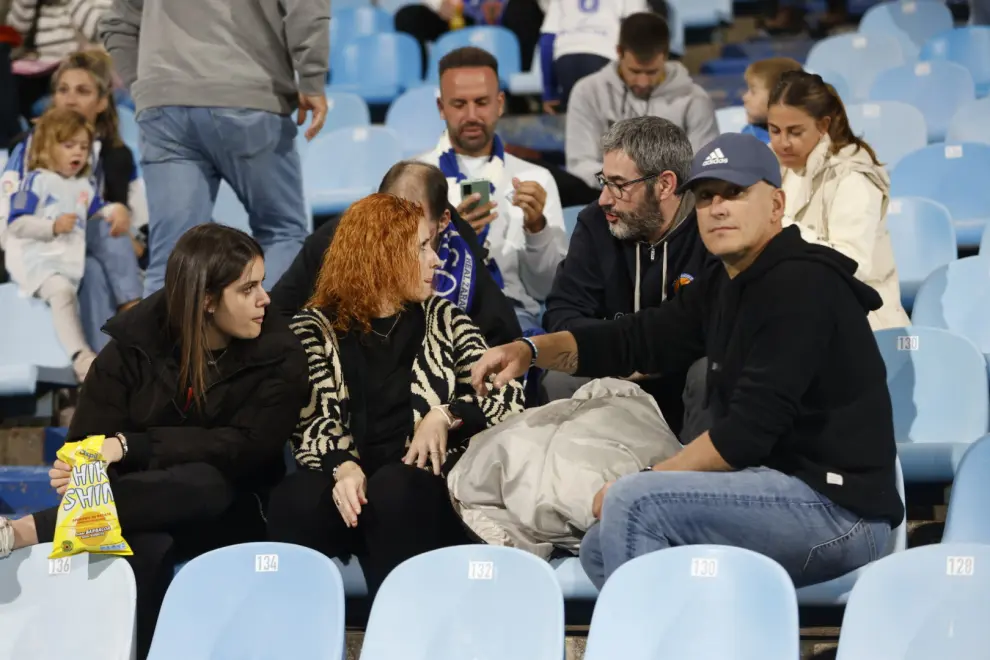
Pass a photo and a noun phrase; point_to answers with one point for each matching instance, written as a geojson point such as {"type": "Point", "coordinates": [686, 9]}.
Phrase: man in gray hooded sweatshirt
{"type": "Point", "coordinates": [642, 83]}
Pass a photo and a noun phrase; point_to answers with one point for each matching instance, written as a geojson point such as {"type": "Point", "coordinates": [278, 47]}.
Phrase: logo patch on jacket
{"type": "Point", "coordinates": [683, 280]}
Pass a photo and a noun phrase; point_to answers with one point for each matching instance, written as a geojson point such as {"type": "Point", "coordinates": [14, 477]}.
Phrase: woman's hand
{"type": "Point", "coordinates": [119, 218]}
{"type": "Point", "coordinates": [504, 363]}
{"type": "Point", "coordinates": [61, 474]}
{"type": "Point", "coordinates": [349, 492]}
{"type": "Point", "coordinates": [596, 503]}
{"type": "Point", "coordinates": [429, 443]}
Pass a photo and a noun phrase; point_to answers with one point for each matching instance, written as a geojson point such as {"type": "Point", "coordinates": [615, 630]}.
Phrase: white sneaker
{"type": "Point", "coordinates": [6, 538]}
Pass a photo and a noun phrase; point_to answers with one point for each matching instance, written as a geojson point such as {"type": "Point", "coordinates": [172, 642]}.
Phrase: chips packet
{"type": "Point", "coordinates": [87, 517]}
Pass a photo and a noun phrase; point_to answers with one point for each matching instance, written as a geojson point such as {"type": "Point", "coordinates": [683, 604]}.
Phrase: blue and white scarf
{"type": "Point", "coordinates": [455, 278]}
{"type": "Point", "coordinates": [452, 170]}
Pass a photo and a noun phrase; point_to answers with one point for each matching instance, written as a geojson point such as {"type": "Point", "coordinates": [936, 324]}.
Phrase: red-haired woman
{"type": "Point", "coordinates": [391, 401]}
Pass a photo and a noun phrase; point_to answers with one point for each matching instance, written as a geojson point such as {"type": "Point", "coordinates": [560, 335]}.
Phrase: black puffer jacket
{"type": "Point", "coordinates": [251, 407]}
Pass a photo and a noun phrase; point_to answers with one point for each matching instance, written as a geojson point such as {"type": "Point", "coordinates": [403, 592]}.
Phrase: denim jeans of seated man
{"type": "Point", "coordinates": [111, 278]}
{"type": "Point", "coordinates": [757, 508]}
{"type": "Point", "coordinates": [186, 151]}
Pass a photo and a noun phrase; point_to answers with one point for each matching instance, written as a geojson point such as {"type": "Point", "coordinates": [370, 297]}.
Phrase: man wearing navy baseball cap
{"type": "Point", "coordinates": [799, 463]}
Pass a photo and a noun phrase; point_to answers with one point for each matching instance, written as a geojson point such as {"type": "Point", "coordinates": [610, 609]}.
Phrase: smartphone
{"type": "Point", "coordinates": [481, 186]}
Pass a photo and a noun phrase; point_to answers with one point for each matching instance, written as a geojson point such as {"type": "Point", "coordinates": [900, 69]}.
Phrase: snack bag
{"type": "Point", "coordinates": [87, 517]}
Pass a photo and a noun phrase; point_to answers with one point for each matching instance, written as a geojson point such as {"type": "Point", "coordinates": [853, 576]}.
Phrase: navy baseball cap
{"type": "Point", "coordinates": [736, 158]}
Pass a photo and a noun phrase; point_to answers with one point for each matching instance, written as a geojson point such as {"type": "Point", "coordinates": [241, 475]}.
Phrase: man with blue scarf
{"type": "Point", "coordinates": [462, 278]}
{"type": "Point", "coordinates": [522, 224]}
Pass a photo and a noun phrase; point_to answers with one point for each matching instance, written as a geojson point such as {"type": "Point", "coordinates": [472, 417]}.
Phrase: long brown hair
{"type": "Point", "coordinates": [204, 262]}
{"type": "Point", "coordinates": [371, 262]}
{"type": "Point", "coordinates": [807, 91]}
{"type": "Point", "coordinates": [99, 66]}
{"type": "Point", "coordinates": [55, 126]}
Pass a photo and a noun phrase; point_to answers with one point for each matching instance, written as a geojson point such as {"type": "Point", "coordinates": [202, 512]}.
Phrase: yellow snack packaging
{"type": "Point", "coordinates": [87, 517]}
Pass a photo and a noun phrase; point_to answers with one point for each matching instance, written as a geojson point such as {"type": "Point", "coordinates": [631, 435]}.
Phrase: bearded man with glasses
{"type": "Point", "coordinates": [636, 247]}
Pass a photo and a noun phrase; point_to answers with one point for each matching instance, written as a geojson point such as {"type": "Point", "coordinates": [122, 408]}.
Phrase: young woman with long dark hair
{"type": "Point", "coordinates": [197, 392]}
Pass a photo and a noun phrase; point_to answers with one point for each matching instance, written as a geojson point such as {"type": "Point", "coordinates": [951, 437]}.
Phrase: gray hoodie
{"type": "Point", "coordinates": [601, 99]}
{"type": "Point", "coordinates": [218, 53]}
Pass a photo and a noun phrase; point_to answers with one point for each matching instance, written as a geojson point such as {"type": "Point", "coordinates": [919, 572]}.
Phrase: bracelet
{"type": "Point", "coordinates": [123, 444]}
{"type": "Point", "coordinates": [532, 347]}
{"type": "Point", "coordinates": [452, 422]}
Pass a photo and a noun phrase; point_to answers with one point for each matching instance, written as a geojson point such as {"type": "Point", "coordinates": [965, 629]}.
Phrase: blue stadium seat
{"type": "Point", "coordinates": [938, 388]}
{"type": "Point", "coordinates": [731, 119]}
{"type": "Point", "coordinates": [954, 175]}
{"type": "Point", "coordinates": [255, 600]}
{"type": "Point", "coordinates": [377, 67]}
{"type": "Point", "coordinates": [528, 83]}
{"type": "Point", "coordinates": [936, 88]}
{"type": "Point", "coordinates": [748, 598]}
{"type": "Point", "coordinates": [703, 13]}
{"type": "Point", "coordinates": [128, 127]}
{"type": "Point", "coordinates": [577, 587]}
{"type": "Point", "coordinates": [415, 119]}
{"type": "Point", "coordinates": [344, 110]}
{"type": "Point", "coordinates": [923, 239]}
{"type": "Point", "coordinates": [349, 23]}
{"type": "Point", "coordinates": [497, 40]}
{"type": "Point", "coordinates": [392, 6]}
{"type": "Point", "coordinates": [858, 58]}
{"type": "Point", "coordinates": [570, 218]}
{"type": "Point", "coordinates": [967, 520]}
{"type": "Point", "coordinates": [52, 610]}
{"type": "Point", "coordinates": [838, 82]}
{"type": "Point", "coordinates": [928, 602]}
{"type": "Point", "coordinates": [971, 123]}
{"type": "Point", "coordinates": [969, 46]}
{"type": "Point", "coordinates": [956, 297]}
{"type": "Point", "coordinates": [349, 4]}
{"type": "Point", "coordinates": [25, 489]}
{"type": "Point", "coordinates": [342, 166]}
{"type": "Point", "coordinates": [892, 128]}
{"type": "Point", "coordinates": [985, 242]}
{"type": "Point", "coordinates": [761, 49]}
{"type": "Point", "coordinates": [30, 353]}
{"type": "Point", "coordinates": [470, 601]}
{"type": "Point", "coordinates": [912, 22]}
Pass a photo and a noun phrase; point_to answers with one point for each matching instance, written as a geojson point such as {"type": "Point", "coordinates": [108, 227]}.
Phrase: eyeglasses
{"type": "Point", "coordinates": [618, 189]}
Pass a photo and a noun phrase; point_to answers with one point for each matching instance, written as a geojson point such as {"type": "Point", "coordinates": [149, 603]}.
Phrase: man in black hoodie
{"type": "Point", "coordinates": [425, 184]}
{"type": "Point", "coordinates": [634, 248]}
{"type": "Point", "coordinates": [799, 463]}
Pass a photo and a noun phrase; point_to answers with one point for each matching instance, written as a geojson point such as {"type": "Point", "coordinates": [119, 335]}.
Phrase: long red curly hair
{"type": "Point", "coordinates": [371, 263]}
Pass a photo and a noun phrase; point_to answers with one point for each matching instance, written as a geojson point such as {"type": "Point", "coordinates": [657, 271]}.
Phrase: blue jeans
{"type": "Point", "coordinates": [529, 321]}
{"type": "Point", "coordinates": [758, 509]}
{"type": "Point", "coordinates": [111, 278]}
{"type": "Point", "coordinates": [186, 151]}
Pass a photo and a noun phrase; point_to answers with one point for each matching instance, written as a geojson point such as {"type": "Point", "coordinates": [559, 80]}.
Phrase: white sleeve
{"type": "Point", "coordinates": [551, 24]}
{"type": "Point", "coordinates": [544, 250]}
{"type": "Point", "coordinates": [630, 7]}
{"type": "Point", "coordinates": [137, 200]}
{"type": "Point", "coordinates": [852, 221]}
{"type": "Point", "coordinates": [27, 205]}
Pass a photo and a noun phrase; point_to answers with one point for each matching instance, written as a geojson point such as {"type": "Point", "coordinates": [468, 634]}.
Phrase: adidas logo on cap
{"type": "Point", "coordinates": [715, 158]}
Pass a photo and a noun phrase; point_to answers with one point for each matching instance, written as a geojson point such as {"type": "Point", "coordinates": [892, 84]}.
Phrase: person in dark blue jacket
{"type": "Point", "coordinates": [635, 248]}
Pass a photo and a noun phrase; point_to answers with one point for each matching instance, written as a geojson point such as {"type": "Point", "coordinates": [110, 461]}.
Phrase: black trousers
{"type": "Point", "coordinates": [170, 516]}
{"type": "Point", "coordinates": [523, 17]}
{"type": "Point", "coordinates": [571, 68]}
{"type": "Point", "coordinates": [408, 513]}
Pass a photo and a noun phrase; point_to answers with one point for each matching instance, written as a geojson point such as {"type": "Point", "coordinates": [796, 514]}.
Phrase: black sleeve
{"type": "Point", "coordinates": [656, 340]}
{"type": "Point", "coordinates": [577, 297]}
{"type": "Point", "coordinates": [490, 310]}
{"type": "Point", "coordinates": [118, 171]}
{"type": "Point", "coordinates": [294, 288]}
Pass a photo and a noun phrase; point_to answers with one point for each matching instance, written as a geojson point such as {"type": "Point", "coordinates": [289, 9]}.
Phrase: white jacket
{"type": "Point", "coordinates": [840, 200]}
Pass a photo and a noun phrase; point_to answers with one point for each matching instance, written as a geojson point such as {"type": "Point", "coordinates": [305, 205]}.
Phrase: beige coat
{"type": "Point", "coordinates": [840, 200]}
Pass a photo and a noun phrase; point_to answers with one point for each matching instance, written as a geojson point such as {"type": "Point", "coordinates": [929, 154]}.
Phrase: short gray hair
{"type": "Point", "coordinates": [654, 145]}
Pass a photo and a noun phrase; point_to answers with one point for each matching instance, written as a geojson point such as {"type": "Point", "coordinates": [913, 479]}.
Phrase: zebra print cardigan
{"type": "Point", "coordinates": [441, 374]}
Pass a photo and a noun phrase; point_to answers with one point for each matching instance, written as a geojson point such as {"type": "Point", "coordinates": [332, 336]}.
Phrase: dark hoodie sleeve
{"type": "Point", "coordinates": [791, 338]}
{"type": "Point", "coordinates": [118, 171]}
{"type": "Point", "coordinates": [252, 438]}
{"type": "Point", "coordinates": [490, 310]}
{"type": "Point", "coordinates": [296, 285]}
{"type": "Point", "coordinates": [656, 340]}
{"type": "Point", "coordinates": [577, 297]}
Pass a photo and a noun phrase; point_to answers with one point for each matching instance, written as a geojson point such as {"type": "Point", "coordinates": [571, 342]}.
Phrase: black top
{"type": "Point", "coordinates": [597, 280]}
{"type": "Point", "coordinates": [491, 311]}
{"type": "Point", "coordinates": [389, 351]}
{"type": "Point", "coordinates": [795, 378]}
{"type": "Point", "coordinates": [257, 388]}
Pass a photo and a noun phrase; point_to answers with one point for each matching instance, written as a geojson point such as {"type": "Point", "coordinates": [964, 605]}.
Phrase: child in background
{"type": "Point", "coordinates": [45, 238]}
{"type": "Point", "coordinates": [761, 78]}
